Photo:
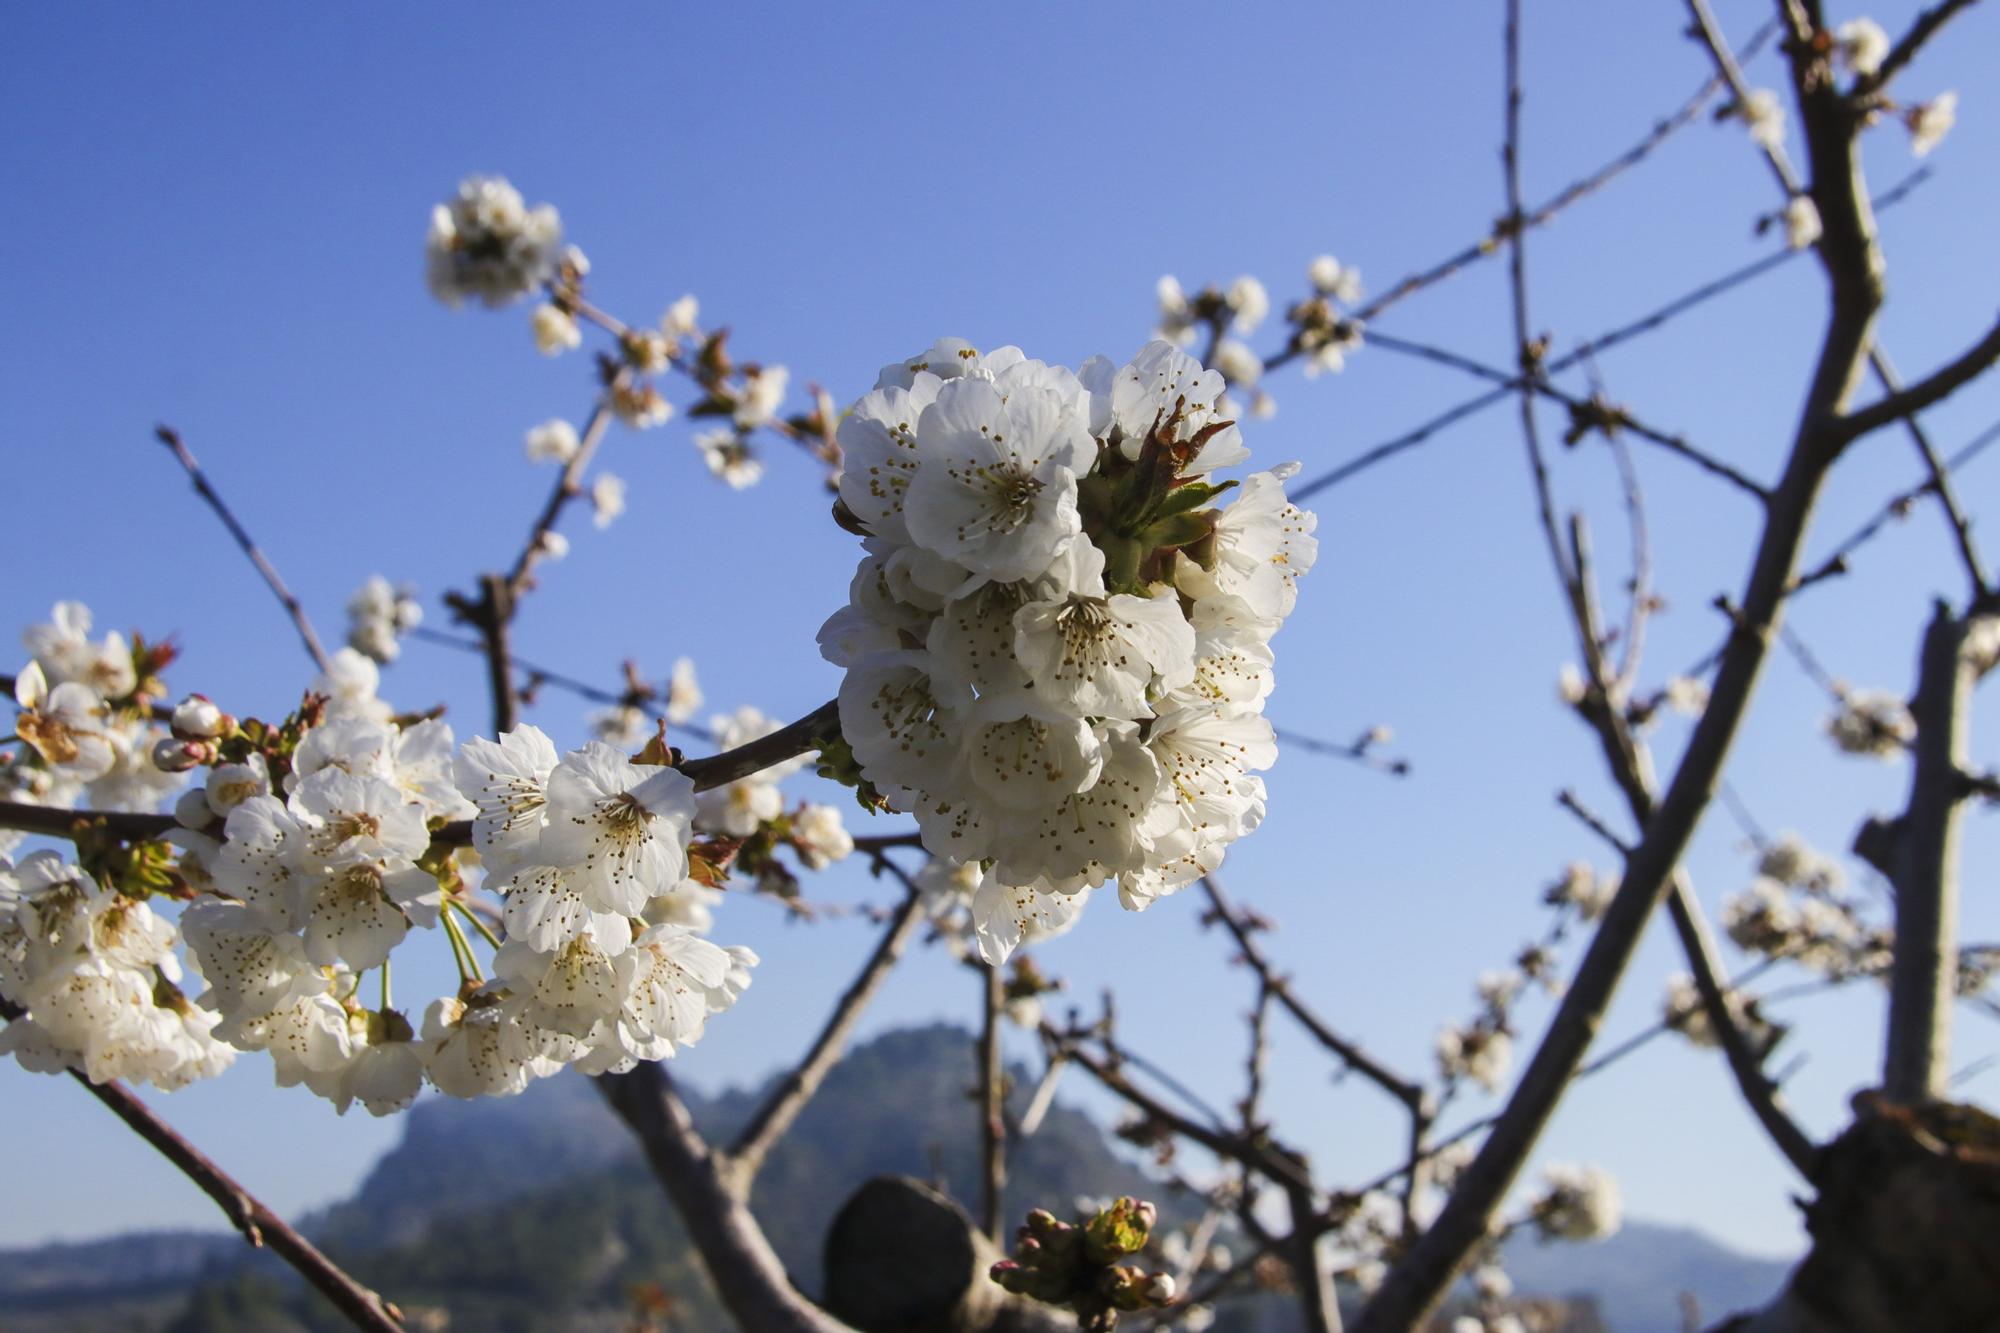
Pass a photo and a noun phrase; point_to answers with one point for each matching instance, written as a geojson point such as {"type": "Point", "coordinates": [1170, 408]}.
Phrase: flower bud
{"type": "Point", "coordinates": [172, 755]}
{"type": "Point", "coordinates": [191, 810]}
{"type": "Point", "coordinates": [196, 718]}
{"type": "Point", "coordinates": [1159, 1288]}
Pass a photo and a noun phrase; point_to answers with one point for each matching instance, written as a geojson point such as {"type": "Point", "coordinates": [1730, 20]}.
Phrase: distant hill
{"type": "Point", "coordinates": [535, 1215]}
{"type": "Point", "coordinates": [1637, 1277]}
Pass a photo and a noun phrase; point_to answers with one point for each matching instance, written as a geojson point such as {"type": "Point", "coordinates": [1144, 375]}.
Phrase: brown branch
{"type": "Point", "coordinates": [1940, 474]}
{"type": "Point", "coordinates": [746, 1271]}
{"type": "Point", "coordinates": [1348, 1051]}
{"type": "Point", "coordinates": [992, 1103]}
{"type": "Point", "coordinates": [782, 1107]}
{"type": "Point", "coordinates": [810, 732]}
{"type": "Point", "coordinates": [1259, 1154]}
{"type": "Point", "coordinates": [1835, 562]}
{"type": "Point", "coordinates": [1906, 48]}
{"type": "Point", "coordinates": [1933, 388]}
{"type": "Point", "coordinates": [170, 437]}
{"type": "Point", "coordinates": [261, 1227]}
{"type": "Point", "coordinates": [568, 486]}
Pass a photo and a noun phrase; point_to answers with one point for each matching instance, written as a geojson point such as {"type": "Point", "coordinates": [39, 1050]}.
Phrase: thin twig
{"type": "Point", "coordinates": [1624, 421]}
{"type": "Point", "coordinates": [170, 437]}
{"type": "Point", "coordinates": [790, 1096]}
{"type": "Point", "coordinates": [1940, 475]}
{"type": "Point", "coordinates": [568, 486]}
{"type": "Point", "coordinates": [1489, 244]}
{"type": "Point", "coordinates": [992, 1103]}
{"type": "Point", "coordinates": [1348, 1051]}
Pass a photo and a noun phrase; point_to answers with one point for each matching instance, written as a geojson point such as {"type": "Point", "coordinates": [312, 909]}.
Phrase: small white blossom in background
{"type": "Point", "coordinates": [763, 390]}
{"type": "Point", "coordinates": [554, 441]}
{"type": "Point", "coordinates": [648, 352]}
{"type": "Point", "coordinates": [1481, 1053]}
{"type": "Point", "coordinates": [1238, 363]}
{"type": "Point", "coordinates": [820, 836]}
{"type": "Point", "coordinates": [683, 692]}
{"type": "Point", "coordinates": [1789, 860]}
{"type": "Point", "coordinates": [1874, 723]}
{"type": "Point", "coordinates": [729, 456]}
{"type": "Point", "coordinates": [378, 615]}
{"type": "Point", "coordinates": [1765, 115]}
{"type": "Point", "coordinates": [1686, 695]}
{"type": "Point", "coordinates": [1176, 315]}
{"type": "Point", "coordinates": [1802, 227]}
{"type": "Point", "coordinates": [623, 726]}
{"type": "Point", "coordinates": [1930, 121]}
{"type": "Point", "coordinates": [1583, 888]}
{"type": "Point", "coordinates": [1861, 45]}
{"type": "Point", "coordinates": [1685, 1013]}
{"type": "Point", "coordinates": [1248, 302]}
{"type": "Point", "coordinates": [1578, 1203]}
{"type": "Point", "coordinates": [640, 405]}
{"type": "Point", "coordinates": [486, 243]}
{"type": "Point", "coordinates": [1571, 687]}
{"type": "Point", "coordinates": [607, 499]}
{"type": "Point", "coordinates": [552, 545]}
{"type": "Point", "coordinates": [555, 330]}
{"type": "Point", "coordinates": [679, 321]}
{"type": "Point", "coordinates": [1333, 279]}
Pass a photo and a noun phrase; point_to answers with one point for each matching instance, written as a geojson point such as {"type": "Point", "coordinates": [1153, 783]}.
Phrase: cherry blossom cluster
{"type": "Point", "coordinates": [1576, 1203]}
{"type": "Point", "coordinates": [308, 857]}
{"type": "Point", "coordinates": [96, 972]}
{"type": "Point", "coordinates": [379, 614]}
{"type": "Point", "coordinates": [486, 244]}
{"type": "Point", "coordinates": [84, 715]}
{"type": "Point", "coordinates": [1794, 911]}
{"type": "Point", "coordinates": [1057, 650]}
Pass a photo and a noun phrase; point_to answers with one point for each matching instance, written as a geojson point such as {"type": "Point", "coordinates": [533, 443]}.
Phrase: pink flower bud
{"type": "Point", "coordinates": [172, 755]}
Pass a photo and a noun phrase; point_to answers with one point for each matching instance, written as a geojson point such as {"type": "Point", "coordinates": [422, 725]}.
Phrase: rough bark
{"type": "Point", "coordinates": [1906, 1228]}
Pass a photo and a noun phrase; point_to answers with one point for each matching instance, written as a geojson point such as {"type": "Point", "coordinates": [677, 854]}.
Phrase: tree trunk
{"type": "Point", "coordinates": [1906, 1228]}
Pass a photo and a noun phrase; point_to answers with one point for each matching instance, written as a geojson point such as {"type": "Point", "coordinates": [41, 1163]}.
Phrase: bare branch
{"type": "Point", "coordinates": [1259, 1155]}
{"type": "Point", "coordinates": [1940, 483]}
{"type": "Point", "coordinates": [1906, 48]}
{"type": "Point", "coordinates": [568, 486]}
{"type": "Point", "coordinates": [1349, 1052]}
{"type": "Point", "coordinates": [748, 1275]}
{"type": "Point", "coordinates": [1490, 243]}
{"type": "Point", "coordinates": [261, 1227]}
{"type": "Point", "coordinates": [775, 1116]}
{"type": "Point", "coordinates": [992, 1103]}
{"type": "Point", "coordinates": [1934, 388]}
{"type": "Point", "coordinates": [1616, 419]}
{"type": "Point", "coordinates": [171, 438]}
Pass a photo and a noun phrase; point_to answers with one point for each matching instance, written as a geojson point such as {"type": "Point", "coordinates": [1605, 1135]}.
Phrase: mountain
{"type": "Point", "coordinates": [535, 1214]}
{"type": "Point", "coordinates": [1638, 1276]}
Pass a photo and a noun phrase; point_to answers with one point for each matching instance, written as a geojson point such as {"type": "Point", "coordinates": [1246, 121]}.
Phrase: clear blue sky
{"type": "Point", "coordinates": [216, 218]}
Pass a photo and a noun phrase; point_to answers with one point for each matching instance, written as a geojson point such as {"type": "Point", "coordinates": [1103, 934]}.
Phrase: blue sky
{"type": "Point", "coordinates": [217, 221]}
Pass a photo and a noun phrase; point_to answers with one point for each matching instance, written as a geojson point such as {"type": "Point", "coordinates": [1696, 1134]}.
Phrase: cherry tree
{"type": "Point", "coordinates": [1056, 652]}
